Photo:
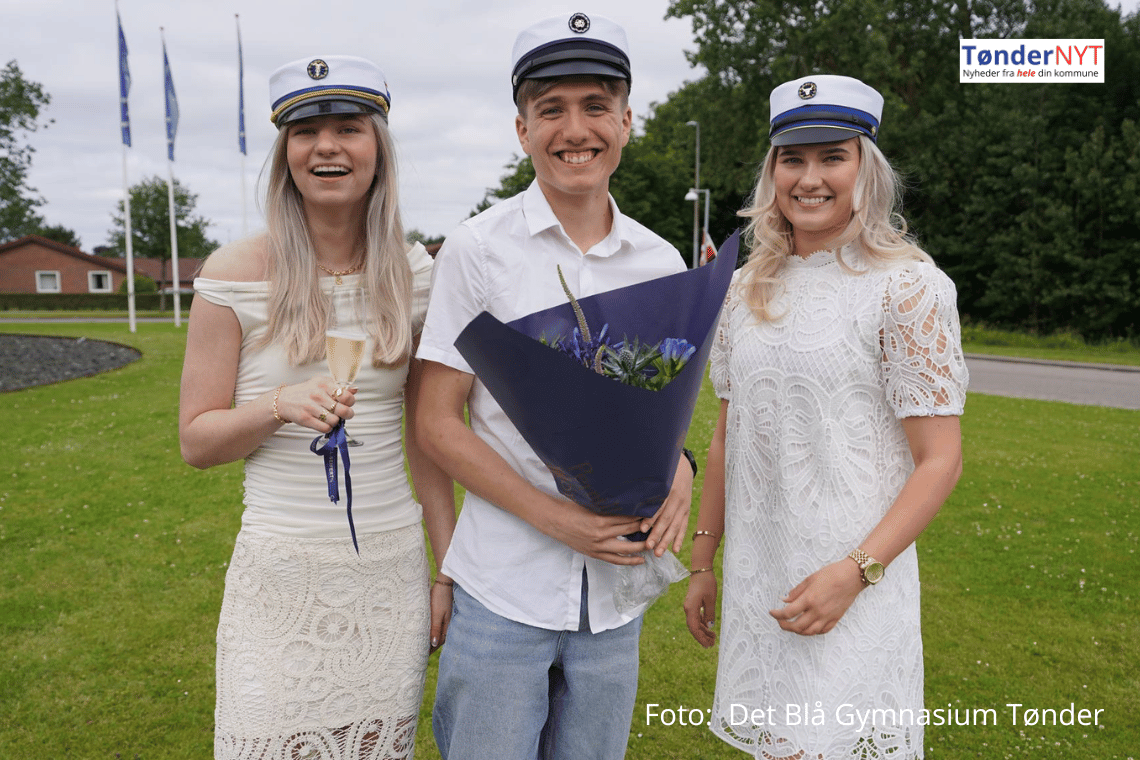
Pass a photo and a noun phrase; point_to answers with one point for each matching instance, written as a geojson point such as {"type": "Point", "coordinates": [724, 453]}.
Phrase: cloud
{"type": "Point", "coordinates": [447, 65]}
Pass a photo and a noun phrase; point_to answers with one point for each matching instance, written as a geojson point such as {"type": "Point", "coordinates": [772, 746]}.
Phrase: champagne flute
{"type": "Point", "coordinates": [345, 339]}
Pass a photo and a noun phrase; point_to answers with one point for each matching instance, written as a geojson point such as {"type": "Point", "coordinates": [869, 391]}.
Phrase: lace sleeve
{"type": "Point", "coordinates": [923, 368]}
{"type": "Point", "coordinates": [721, 351]}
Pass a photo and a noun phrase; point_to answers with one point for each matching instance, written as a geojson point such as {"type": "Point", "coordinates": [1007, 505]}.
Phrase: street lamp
{"type": "Point", "coordinates": [694, 195]}
{"type": "Point", "coordinates": [695, 198]}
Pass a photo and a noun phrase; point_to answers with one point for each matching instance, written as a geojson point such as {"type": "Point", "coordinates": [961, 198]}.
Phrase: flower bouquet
{"type": "Point", "coordinates": [612, 446]}
{"type": "Point", "coordinates": [607, 416]}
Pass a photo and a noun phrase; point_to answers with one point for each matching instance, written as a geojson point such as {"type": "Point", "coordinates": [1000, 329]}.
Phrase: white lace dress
{"type": "Point", "coordinates": [321, 652]}
{"type": "Point", "coordinates": [815, 454]}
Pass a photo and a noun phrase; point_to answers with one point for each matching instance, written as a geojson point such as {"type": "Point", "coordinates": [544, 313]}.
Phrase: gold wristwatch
{"type": "Point", "coordinates": [871, 568]}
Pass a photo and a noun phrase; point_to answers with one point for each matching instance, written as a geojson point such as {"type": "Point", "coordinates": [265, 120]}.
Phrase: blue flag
{"type": "Point", "coordinates": [241, 96]}
{"type": "Point", "coordinates": [124, 85]}
{"type": "Point", "coordinates": [171, 105]}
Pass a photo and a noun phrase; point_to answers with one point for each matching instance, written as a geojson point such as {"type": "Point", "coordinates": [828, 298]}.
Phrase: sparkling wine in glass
{"type": "Point", "coordinates": [345, 338]}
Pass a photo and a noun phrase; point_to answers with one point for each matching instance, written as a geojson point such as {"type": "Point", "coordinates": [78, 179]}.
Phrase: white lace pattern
{"type": "Point", "coordinates": [321, 653]}
{"type": "Point", "coordinates": [815, 455]}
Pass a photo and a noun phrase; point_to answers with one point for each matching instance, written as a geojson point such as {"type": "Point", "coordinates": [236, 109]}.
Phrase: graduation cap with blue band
{"type": "Point", "coordinates": [570, 44]}
{"type": "Point", "coordinates": [824, 108]}
{"type": "Point", "coordinates": [327, 85]}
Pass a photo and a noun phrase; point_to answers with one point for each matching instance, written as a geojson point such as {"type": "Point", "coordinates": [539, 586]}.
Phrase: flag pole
{"type": "Point", "coordinates": [244, 216]}
{"type": "Point", "coordinates": [171, 129]}
{"type": "Point", "coordinates": [130, 247]}
{"type": "Point", "coordinates": [174, 250]}
{"type": "Point", "coordinates": [125, 129]}
{"type": "Point", "coordinates": [241, 130]}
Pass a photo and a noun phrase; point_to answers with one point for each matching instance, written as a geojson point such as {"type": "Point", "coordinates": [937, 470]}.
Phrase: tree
{"type": "Point", "coordinates": [520, 173]}
{"type": "Point", "coordinates": [20, 104]}
{"type": "Point", "coordinates": [1020, 192]}
{"type": "Point", "coordinates": [59, 234]}
{"type": "Point", "coordinates": [657, 168]}
{"type": "Point", "coordinates": [143, 284]}
{"type": "Point", "coordinates": [150, 224]}
{"type": "Point", "coordinates": [416, 236]}
{"type": "Point", "coordinates": [905, 48]}
{"type": "Point", "coordinates": [1026, 195]}
{"type": "Point", "coordinates": [649, 185]}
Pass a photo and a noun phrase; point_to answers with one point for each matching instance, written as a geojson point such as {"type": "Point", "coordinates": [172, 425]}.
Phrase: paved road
{"type": "Point", "coordinates": [1096, 384]}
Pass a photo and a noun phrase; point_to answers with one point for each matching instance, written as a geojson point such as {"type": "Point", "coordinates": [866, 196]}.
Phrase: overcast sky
{"type": "Point", "coordinates": [447, 65]}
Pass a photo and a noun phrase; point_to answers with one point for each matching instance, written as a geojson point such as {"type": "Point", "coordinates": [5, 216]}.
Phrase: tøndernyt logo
{"type": "Point", "coordinates": [1063, 61]}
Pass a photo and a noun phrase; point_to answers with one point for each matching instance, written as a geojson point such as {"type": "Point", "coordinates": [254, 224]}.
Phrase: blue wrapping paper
{"type": "Point", "coordinates": [612, 447]}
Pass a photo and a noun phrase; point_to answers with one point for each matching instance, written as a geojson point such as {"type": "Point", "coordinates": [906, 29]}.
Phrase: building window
{"type": "Point", "coordinates": [99, 282]}
{"type": "Point", "coordinates": [47, 282]}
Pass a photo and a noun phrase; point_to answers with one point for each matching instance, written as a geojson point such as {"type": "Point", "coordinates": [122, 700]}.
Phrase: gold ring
{"type": "Point", "coordinates": [323, 417]}
{"type": "Point", "coordinates": [332, 409]}
{"type": "Point", "coordinates": [337, 392]}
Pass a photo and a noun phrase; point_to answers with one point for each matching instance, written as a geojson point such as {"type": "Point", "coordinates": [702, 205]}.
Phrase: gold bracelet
{"type": "Point", "coordinates": [696, 570]}
{"type": "Point", "coordinates": [705, 533]}
{"type": "Point", "coordinates": [276, 415]}
{"type": "Point", "coordinates": [449, 584]}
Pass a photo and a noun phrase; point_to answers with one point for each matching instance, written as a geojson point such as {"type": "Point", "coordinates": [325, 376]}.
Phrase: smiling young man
{"type": "Point", "coordinates": [538, 661]}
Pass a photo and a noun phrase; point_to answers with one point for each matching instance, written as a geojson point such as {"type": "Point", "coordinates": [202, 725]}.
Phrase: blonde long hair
{"type": "Point", "coordinates": [298, 309]}
{"type": "Point", "coordinates": [876, 225]}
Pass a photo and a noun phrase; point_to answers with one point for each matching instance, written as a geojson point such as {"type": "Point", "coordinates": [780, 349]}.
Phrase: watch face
{"type": "Point", "coordinates": [873, 572]}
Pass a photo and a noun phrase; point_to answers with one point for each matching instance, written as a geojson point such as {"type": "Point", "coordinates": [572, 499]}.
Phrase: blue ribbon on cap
{"type": "Point", "coordinates": [327, 446]}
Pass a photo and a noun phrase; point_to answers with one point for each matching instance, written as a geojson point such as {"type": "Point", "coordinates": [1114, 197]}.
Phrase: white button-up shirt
{"type": "Point", "coordinates": [505, 261]}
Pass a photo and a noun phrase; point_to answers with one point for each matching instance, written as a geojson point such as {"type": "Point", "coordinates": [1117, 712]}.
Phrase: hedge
{"type": "Point", "coordinates": [87, 301]}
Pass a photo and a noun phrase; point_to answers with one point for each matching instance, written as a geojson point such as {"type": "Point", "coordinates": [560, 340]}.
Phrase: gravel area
{"type": "Point", "coordinates": [27, 360]}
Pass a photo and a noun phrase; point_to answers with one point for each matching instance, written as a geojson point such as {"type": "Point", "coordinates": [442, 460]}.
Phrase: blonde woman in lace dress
{"type": "Point", "coordinates": [839, 368]}
{"type": "Point", "coordinates": [321, 651]}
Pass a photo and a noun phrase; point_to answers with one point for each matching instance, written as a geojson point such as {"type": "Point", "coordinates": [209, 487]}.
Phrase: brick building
{"type": "Point", "coordinates": [34, 264]}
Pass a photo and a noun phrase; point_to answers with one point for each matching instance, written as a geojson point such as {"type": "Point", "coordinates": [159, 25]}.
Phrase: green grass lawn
{"type": "Point", "coordinates": [113, 554]}
{"type": "Point", "coordinates": [1060, 346]}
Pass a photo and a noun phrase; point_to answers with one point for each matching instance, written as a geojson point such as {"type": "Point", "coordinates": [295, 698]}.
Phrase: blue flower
{"type": "Point", "coordinates": [642, 365]}
{"type": "Point", "coordinates": [677, 350]}
{"type": "Point", "coordinates": [585, 352]}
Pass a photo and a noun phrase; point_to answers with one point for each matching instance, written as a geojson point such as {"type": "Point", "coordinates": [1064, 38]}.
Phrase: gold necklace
{"type": "Point", "coordinates": [351, 270]}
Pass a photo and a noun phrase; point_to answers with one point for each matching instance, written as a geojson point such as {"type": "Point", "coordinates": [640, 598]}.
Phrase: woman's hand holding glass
{"type": "Point", "coordinates": [319, 404]}
{"type": "Point", "coordinates": [345, 339]}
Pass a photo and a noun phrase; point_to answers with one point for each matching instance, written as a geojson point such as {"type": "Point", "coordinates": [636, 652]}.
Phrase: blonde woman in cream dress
{"type": "Point", "coordinates": [321, 651]}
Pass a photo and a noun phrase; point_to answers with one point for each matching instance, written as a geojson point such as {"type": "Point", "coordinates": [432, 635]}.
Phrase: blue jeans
{"type": "Point", "coordinates": [515, 692]}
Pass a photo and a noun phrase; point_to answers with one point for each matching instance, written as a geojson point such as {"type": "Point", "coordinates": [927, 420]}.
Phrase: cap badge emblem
{"type": "Point", "coordinates": [318, 69]}
{"type": "Point", "coordinates": [807, 90]}
{"type": "Point", "coordinates": [580, 23]}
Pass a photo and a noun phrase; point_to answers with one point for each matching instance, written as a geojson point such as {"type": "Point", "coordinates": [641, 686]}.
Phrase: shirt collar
{"type": "Point", "coordinates": [540, 217]}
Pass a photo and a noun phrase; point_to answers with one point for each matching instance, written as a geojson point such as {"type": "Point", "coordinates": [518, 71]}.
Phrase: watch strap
{"type": "Point", "coordinates": [864, 560]}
